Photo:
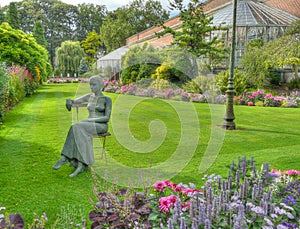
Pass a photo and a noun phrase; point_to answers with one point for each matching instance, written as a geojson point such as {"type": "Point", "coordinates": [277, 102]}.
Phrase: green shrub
{"type": "Point", "coordinates": [294, 84]}
{"type": "Point", "coordinates": [3, 88]}
{"type": "Point", "coordinates": [201, 84]}
{"type": "Point", "coordinates": [240, 81]}
{"type": "Point", "coordinates": [160, 84]}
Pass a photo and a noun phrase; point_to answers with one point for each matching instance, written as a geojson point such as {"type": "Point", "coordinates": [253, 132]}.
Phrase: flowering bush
{"type": "Point", "coordinates": [247, 198]}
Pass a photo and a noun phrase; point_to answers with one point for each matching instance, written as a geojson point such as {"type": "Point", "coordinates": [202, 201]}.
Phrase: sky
{"type": "Point", "coordinates": [110, 4]}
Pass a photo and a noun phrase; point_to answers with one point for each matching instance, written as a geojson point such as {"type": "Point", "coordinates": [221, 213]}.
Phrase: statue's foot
{"type": "Point", "coordinates": [63, 160]}
{"type": "Point", "coordinates": [80, 168]}
{"type": "Point", "coordinates": [74, 163]}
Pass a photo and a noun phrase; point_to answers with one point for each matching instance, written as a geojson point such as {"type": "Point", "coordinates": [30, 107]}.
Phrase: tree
{"type": "Point", "coordinates": [83, 68]}
{"type": "Point", "coordinates": [2, 15]}
{"type": "Point", "coordinates": [39, 34]}
{"type": "Point", "coordinates": [21, 49]}
{"type": "Point", "coordinates": [129, 20]}
{"type": "Point", "coordinates": [61, 21]}
{"type": "Point", "coordinates": [13, 16]}
{"type": "Point", "coordinates": [196, 34]}
{"type": "Point", "coordinates": [92, 46]}
{"type": "Point", "coordinates": [90, 18]}
{"type": "Point", "coordinates": [68, 57]}
{"type": "Point", "coordinates": [115, 29]}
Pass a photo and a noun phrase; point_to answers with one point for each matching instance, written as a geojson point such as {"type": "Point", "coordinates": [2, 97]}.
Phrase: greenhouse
{"type": "Point", "coordinates": [255, 20]}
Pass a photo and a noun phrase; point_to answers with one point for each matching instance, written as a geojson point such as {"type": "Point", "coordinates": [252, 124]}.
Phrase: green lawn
{"type": "Point", "coordinates": [183, 139]}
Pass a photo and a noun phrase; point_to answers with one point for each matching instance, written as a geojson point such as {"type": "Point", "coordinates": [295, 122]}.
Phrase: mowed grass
{"type": "Point", "coordinates": [190, 142]}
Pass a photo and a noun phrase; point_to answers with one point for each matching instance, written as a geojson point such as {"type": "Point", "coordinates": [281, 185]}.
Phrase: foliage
{"type": "Point", "coordinates": [201, 84]}
{"type": "Point", "coordinates": [39, 34]}
{"type": "Point", "coordinates": [247, 198]}
{"type": "Point", "coordinates": [259, 62]}
{"type": "Point", "coordinates": [119, 207]}
{"type": "Point", "coordinates": [196, 28]}
{"type": "Point", "coordinates": [240, 81]}
{"type": "Point", "coordinates": [13, 16]}
{"type": "Point", "coordinates": [293, 28]}
{"type": "Point", "coordinates": [294, 84]}
{"type": "Point", "coordinates": [139, 63]}
{"type": "Point", "coordinates": [61, 21]}
{"type": "Point", "coordinates": [129, 20]}
{"type": "Point", "coordinates": [21, 49]}
{"type": "Point", "coordinates": [68, 57]}
{"type": "Point", "coordinates": [3, 88]}
{"type": "Point", "coordinates": [259, 97]}
{"type": "Point", "coordinates": [83, 67]}
{"type": "Point", "coordinates": [92, 46]}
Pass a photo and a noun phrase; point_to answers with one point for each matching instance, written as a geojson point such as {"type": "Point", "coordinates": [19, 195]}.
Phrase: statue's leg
{"type": "Point", "coordinates": [63, 160]}
{"type": "Point", "coordinates": [80, 168]}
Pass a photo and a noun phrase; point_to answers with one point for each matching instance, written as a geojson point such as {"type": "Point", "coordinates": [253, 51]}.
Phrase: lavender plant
{"type": "Point", "coordinates": [245, 199]}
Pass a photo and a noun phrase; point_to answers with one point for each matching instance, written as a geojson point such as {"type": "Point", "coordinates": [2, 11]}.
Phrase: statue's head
{"type": "Point", "coordinates": [98, 81]}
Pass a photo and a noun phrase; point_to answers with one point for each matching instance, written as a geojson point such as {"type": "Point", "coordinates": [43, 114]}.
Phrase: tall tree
{"type": "Point", "coordinates": [115, 29]}
{"type": "Point", "coordinates": [90, 18]}
{"type": "Point", "coordinates": [197, 33]}
{"type": "Point", "coordinates": [13, 16]}
{"type": "Point", "coordinates": [131, 19]}
{"type": "Point", "coordinates": [93, 47]}
{"type": "Point", "coordinates": [39, 34]}
{"type": "Point", "coordinates": [2, 15]}
{"type": "Point", "coordinates": [83, 67]}
{"type": "Point", "coordinates": [68, 57]}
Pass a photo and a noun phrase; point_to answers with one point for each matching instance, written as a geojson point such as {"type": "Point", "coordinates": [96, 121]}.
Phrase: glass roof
{"type": "Point", "coordinates": [253, 13]}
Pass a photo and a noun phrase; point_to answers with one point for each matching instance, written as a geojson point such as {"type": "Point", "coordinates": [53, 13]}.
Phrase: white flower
{"type": "Point", "coordinates": [2, 208]}
{"type": "Point", "coordinates": [269, 222]}
{"type": "Point", "coordinates": [289, 215]}
{"type": "Point", "coordinates": [286, 206]}
{"type": "Point", "coordinates": [1, 216]}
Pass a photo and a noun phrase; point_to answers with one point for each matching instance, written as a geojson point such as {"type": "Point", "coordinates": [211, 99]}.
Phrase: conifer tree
{"type": "Point", "coordinates": [83, 67]}
{"type": "Point", "coordinates": [39, 34]}
{"type": "Point", "coordinates": [13, 16]}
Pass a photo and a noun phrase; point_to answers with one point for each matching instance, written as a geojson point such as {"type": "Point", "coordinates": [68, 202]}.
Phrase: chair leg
{"type": "Point", "coordinates": [103, 149]}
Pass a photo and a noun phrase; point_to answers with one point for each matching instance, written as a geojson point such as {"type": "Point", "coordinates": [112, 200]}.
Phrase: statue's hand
{"type": "Point", "coordinates": [69, 103]}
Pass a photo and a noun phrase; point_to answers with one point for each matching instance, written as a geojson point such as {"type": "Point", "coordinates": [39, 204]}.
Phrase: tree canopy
{"type": "Point", "coordinates": [129, 20]}
{"type": "Point", "coordinates": [196, 34]}
{"type": "Point", "coordinates": [68, 58]}
{"type": "Point", "coordinates": [19, 48]}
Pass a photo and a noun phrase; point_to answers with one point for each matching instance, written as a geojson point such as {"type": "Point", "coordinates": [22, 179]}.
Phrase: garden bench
{"type": "Point", "coordinates": [100, 136]}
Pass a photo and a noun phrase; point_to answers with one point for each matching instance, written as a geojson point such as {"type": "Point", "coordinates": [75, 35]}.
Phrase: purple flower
{"type": "Point", "coordinates": [289, 225]}
{"type": "Point", "coordinates": [289, 200]}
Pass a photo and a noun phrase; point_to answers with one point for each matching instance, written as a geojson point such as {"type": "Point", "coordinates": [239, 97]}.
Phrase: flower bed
{"type": "Point", "coordinates": [246, 198]}
{"type": "Point", "coordinates": [256, 98]}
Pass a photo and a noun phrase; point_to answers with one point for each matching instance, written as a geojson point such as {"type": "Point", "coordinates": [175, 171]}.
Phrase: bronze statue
{"type": "Point", "coordinates": [78, 147]}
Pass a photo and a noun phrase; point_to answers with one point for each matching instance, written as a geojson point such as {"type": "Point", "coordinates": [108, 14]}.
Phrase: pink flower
{"type": "Point", "coordinates": [165, 203]}
{"type": "Point", "coordinates": [168, 183]}
{"type": "Point", "coordinates": [186, 205]}
{"type": "Point", "coordinates": [292, 172]}
{"type": "Point", "coordinates": [250, 104]}
{"type": "Point", "coordinates": [177, 188]}
{"type": "Point", "coordinates": [159, 186]}
{"type": "Point", "coordinates": [124, 88]}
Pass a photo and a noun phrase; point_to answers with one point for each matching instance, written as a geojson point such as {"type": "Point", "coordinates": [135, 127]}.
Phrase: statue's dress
{"type": "Point", "coordinates": [79, 142]}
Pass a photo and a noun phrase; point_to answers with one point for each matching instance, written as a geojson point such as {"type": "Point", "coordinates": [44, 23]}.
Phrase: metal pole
{"type": "Point", "coordinates": [229, 114]}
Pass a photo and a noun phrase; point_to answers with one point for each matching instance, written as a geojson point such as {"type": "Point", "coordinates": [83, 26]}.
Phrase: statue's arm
{"type": "Point", "coordinates": [82, 99]}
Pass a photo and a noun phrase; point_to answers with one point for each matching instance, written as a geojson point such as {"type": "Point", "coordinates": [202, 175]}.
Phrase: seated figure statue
{"type": "Point", "coordinates": [78, 147]}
